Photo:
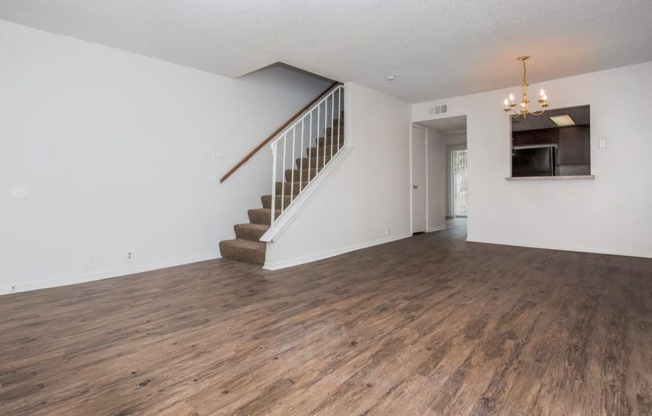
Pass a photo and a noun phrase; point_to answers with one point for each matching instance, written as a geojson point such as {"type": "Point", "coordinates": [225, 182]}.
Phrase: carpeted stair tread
{"type": "Point", "coordinates": [334, 133]}
{"type": "Point", "coordinates": [290, 188]}
{"type": "Point", "coordinates": [267, 201]}
{"type": "Point", "coordinates": [335, 141]}
{"type": "Point", "coordinates": [304, 162]}
{"type": "Point", "coordinates": [262, 215]}
{"type": "Point", "coordinates": [335, 136]}
{"type": "Point", "coordinates": [329, 150]}
{"type": "Point", "coordinates": [334, 129]}
{"type": "Point", "coordinates": [251, 232]}
{"type": "Point", "coordinates": [300, 175]}
{"type": "Point", "coordinates": [243, 250]}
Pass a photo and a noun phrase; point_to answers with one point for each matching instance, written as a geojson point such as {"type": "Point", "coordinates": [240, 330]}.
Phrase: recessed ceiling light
{"type": "Point", "coordinates": [562, 121]}
{"type": "Point", "coordinates": [391, 77]}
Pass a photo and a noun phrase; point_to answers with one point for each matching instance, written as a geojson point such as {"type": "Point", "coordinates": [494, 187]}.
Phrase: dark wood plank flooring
{"type": "Point", "coordinates": [430, 325]}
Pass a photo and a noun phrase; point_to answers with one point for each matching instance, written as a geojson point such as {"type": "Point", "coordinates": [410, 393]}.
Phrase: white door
{"type": "Point", "coordinates": [419, 158]}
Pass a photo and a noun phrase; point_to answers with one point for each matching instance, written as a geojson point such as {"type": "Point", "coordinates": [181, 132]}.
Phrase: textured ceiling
{"type": "Point", "coordinates": [436, 48]}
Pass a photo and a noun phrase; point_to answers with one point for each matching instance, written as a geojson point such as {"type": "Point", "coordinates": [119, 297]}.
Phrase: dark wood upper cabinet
{"type": "Point", "coordinates": [534, 137]}
{"type": "Point", "coordinates": [574, 145]}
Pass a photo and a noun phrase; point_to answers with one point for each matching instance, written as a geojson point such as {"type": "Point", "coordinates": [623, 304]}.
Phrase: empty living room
{"type": "Point", "coordinates": [325, 208]}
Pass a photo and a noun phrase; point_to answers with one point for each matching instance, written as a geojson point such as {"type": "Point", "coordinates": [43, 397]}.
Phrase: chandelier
{"type": "Point", "coordinates": [524, 109]}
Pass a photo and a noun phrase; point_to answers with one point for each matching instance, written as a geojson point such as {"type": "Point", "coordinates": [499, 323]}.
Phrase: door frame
{"type": "Point", "coordinates": [419, 127]}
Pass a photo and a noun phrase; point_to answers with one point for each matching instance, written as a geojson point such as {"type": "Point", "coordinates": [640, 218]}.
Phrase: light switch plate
{"type": "Point", "coordinates": [602, 144]}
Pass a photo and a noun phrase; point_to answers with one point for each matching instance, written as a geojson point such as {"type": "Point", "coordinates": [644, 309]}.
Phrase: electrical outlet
{"type": "Point", "coordinates": [387, 230]}
{"type": "Point", "coordinates": [130, 256]}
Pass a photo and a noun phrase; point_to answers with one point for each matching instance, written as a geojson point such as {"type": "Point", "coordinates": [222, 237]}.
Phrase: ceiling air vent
{"type": "Point", "coordinates": [436, 110]}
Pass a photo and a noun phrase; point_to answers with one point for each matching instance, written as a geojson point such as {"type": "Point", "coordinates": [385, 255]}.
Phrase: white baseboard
{"type": "Point", "coordinates": [330, 253]}
{"type": "Point", "coordinates": [100, 275]}
{"type": "Point", "coordinates": [437, 228]}
{"type": "Point", "coordinates": [562, 247]}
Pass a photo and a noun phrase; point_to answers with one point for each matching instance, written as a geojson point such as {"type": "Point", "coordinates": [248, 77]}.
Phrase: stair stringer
{"type": "Point", "coordinates": [294, 209]}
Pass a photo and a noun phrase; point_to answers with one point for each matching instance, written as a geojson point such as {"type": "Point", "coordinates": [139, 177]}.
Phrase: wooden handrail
{"type": "Point", "coordinates": [280, 129]}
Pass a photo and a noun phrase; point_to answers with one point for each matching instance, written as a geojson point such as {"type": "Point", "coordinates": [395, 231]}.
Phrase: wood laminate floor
{"type": "Point", "coordinates": [430, 325]}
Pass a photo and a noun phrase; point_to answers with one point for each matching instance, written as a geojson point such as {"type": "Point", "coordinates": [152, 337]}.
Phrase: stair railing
{"type": "Point", "coordinates": [322, 118]}
{"type": "Point", "coordinates": [276, 133]}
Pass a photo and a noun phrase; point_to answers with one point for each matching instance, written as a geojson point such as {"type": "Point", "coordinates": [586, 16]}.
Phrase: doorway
{"type": "Point", "coordinates": [458, 173]}
{"type": "Point", "coordinates": [430, 168]}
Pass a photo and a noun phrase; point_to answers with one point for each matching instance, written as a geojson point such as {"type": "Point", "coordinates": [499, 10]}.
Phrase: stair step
{"type": "Point", "coordinates": [333, 130]}
{"type": "Point", "coordinates": [313, 162]}
{"type": "Point", "coordinates": [267, 201]}
{"type": "Point", "coordinates": [313, 152]}
{"type": "Point", "coordinates": [304, 175]}
{"type": "Point", "coordinates": [262, 215]}
{"type": "Point", "coordinates": [288, 188]}
{"type": "Point", "coordinates": [251, 232]}
{"type": "Point", "coordinates": [334, 141]}
{"type": "Point", "coordinates": [243, 250]}
{"type": "Point", "coordinates": [335, 122]}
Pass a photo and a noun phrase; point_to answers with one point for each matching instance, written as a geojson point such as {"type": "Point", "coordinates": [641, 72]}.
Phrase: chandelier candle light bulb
{"type": "Point", "coordinates": [525, 101]}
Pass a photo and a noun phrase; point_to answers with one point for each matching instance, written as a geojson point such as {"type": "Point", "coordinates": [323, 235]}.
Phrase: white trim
{"type": "Point", "coordinates": [331, 253]}
{"type": "Point", "coordinates": [305, 196]}
{"type": "Point", "coordinates": [437, 228]}
{"type": "Point", "coordinates": [100, 275]}
{"type": "Point", "coordinates": [505, 242]}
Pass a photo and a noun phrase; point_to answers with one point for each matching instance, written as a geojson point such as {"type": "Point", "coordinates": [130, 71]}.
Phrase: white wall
{"type": "Point", "coordinates": [115, 152]}
{"type": "Point", "coordinates": [368, 192]}
{"type": "Point", "coordinates": [455, 138]}
{"type": "Point", "coordinates": [610, 214]}
{"type": "Point", "coordinates": [436, 180]}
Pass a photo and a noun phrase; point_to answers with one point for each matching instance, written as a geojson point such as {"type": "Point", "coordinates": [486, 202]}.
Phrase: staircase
{"type": "Point", "coordinates": [247, 246]}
